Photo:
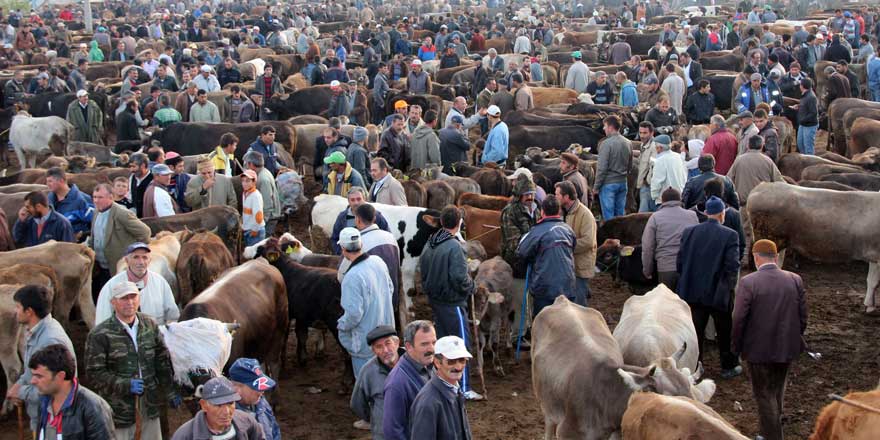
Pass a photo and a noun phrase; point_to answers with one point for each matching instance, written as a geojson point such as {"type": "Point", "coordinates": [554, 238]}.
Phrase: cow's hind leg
{"type": "Point", "coordinates": [871, 300]}
{"type": "Point", "coordinates": [302, 340]}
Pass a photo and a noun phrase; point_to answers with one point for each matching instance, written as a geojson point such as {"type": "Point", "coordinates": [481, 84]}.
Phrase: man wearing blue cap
{"type": "Point", "coordinates": [708, 266]}
{"type": "Point", "coordinates": [250, 383]}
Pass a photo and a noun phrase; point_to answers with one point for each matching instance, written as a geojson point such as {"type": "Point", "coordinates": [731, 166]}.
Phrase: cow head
{"type": "Point", "coordinates": [487, 303]}
{"type": "Point", "coordinates": [664, 377]}
{"type": "Point", "coordinates": [609, 253]}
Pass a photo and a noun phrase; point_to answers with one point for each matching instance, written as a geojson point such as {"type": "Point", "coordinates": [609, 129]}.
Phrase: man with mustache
{"type": "Point", "coordinates": [368, 397]}
{"type": "Point", "coordinates": [409, 375]}
{"type": "Point", "coordinates": [438, 411]}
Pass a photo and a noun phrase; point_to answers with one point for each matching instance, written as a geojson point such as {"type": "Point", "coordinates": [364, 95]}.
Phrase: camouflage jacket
{"type": "Point", "coordinates": [515, 222]}
{"type": "Point", "coordinates": [111, 362]}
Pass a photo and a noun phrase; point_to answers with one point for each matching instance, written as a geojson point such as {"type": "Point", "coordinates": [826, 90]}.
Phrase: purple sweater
{"type": "Point", "coordinates": [403, 384]}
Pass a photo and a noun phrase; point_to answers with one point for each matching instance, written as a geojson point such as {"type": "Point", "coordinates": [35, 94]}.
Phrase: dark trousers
{"type": "Point", "coordinates": [768, 387]}
{"type": "Point", "coordinates": [452, 321]}
{"type": "Point", "coordinates": [100, 276]}
{"type": "Point", "coordinates": [539, 302]}
{"type": "Point", "coordinates": [670, 279]}
{"type": "Point", "coordinates": [723, 324]}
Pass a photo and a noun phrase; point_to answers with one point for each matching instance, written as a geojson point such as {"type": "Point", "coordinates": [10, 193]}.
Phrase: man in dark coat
{"type": "Point", "coordinates": [769, 320]}
{"type": "Point", "coordinates": [126, 123]}
{"type": "Point", "coordinates": [837, 87]}
{"type": "Point", "coordinates": [708, 265]}
{"type": "Point", "coordinates": [454, 144]}
{"type": "Point", "coordinates": [438, 411]}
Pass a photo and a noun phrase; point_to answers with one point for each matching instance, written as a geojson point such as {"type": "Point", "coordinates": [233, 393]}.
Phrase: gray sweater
{"type": "Point", "coordinates": [615, 155]}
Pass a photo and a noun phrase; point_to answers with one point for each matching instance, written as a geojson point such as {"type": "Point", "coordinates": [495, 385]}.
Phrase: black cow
{"type": "Point", "coordinates": [192, 138]}
{"type": "Point", "coordinates": [627, 229]}
{"type": "Point", "coordinates": [309, 101]}
{"type": "Point", "coordinates": [722, 87]}
{"type": "Point", "coordinates": [624, 263]}
{"type": "Point", "coordinates": [55, 104]}
{"type": "Point", "coordinates": [313, 293]}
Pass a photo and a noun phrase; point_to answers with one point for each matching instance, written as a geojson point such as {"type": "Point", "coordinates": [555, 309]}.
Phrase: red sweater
{"type": "Point", "coordinates": [723, 146]}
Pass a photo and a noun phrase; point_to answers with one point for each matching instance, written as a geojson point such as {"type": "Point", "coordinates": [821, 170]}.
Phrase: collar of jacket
{"type": "Point", "coordinates": [361, 258]}
{"type": "Point", "coordinates": [550, 218]}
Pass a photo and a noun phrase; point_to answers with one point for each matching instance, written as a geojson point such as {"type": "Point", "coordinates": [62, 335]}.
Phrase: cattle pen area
{"type": "Point", "coordinates": [313, 404]}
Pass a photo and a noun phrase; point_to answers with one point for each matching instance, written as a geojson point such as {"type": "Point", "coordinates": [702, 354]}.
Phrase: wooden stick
{"type": "Point", "coordinates": [853, 403]}
{"type": "Point", "coordinates": [19, 407]}
{"type": "Point", "coordinates": [477, 347]}
{"type": "Point", "coordinates": [137, 417]}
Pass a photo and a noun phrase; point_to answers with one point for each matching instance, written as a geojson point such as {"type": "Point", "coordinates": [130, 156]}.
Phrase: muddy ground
{"type": "Point", "coordinates": [837, 329]}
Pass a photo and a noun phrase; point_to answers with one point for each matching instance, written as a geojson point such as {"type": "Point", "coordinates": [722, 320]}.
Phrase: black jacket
{"type": "Point", "coordinates": [454, 146]}
{"type": "Point", "coordinates": [87, 417]}
{"type": "Point", "coordinates": [696, 74]}
{"type": "Point", "coordinates": [126, 127]}
{"type": "Point", "coordinates": [837, 52]}
{"type": "Point", "coordinates": [692, 195]}
{"type": "Point", "coordinates": [699, 108]}
{"type": "Point", "coordinates": [439, 413]}
{"type": "Point", "coordinates": [445, 277]}
{"type": "Point", "coordinates": [853, 84]}
{"type": "Point", "coordinates": [808, 110]}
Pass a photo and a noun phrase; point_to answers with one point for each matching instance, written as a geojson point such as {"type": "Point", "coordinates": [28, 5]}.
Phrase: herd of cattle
{"type": "Point", "coordinates": [585, 376]}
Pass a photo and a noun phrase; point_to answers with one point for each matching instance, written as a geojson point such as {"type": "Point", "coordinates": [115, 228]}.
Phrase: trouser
{"type": "Point", "coordinates": [748, 231]}
{"type": "Point", "coordinates": [646, 203]}
{"type": "Point", "coordinates": [612, 197]}
{"type": "Point", "coordinates": [100, 276]}
{"type": "Point", "coordinates": [582, 291]}
{"type": "Point", "coordinates": [806, 139]}
{"type": "Point", "coordinates": [670, 279]}
{"type": "Point", "coordinates": [452, 321]}
{"type": "Point", "coordinates": [253, 237]}
{"type": "Point", "coordinates": [378, 113]}
{"type": "Point", "coordinates": [875, 94]}
{"type": "Point", "coordinates": [150, 429]}
{"type": "Point", "coordinates": [723, 325]}
{"type": "Point", "coordinates": [768, 388]}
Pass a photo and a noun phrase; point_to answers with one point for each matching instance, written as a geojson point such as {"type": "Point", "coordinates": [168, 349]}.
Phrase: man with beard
{"type": "Point", "coordinates": [368, 397]}
{"type": "Point", "coordinates": [38, 223]}
{"type": "Point", "coordinates": [413, 370]}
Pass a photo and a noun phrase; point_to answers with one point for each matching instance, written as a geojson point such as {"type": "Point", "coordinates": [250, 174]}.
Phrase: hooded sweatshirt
{"type": "Point", "coordinates": [424, 147]}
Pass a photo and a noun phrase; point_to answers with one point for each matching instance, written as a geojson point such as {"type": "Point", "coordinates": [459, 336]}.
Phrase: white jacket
{"type": "Point", "coordinates": [669, 171]}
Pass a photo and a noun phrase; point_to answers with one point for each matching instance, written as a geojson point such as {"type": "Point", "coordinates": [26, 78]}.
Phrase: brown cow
{"type": "Point", "coordinates": [221, 220]}
{"type": "Point", "coordinates": [793, 164]}
{"type": "Point", "coordinates": [263, 316]}
{"type": "Point", "coordinates": [495, 203]}
{"type": "Point", "coordinates": [11, 333]}
{"type": "Point", "coordinates": [72, 264]}
{"type": "Point", "coordinates": [815, 172]}
{"type": "Point", "coordinates": [27, 273]}
{"type": "Point", "coordinates": [201, 260]}
{"type": "Point", "coordinates": [492, 181]}
{"type": "Point", "coordinates": [836, 127]}
{"type": "Point", "coordinates": [544, 96]}
{"type": "Point", "coordinates": [628, 228]}
{"type": "Point", "coordinates": [483, 225]}
{"type": "Point", "coordinates": [415, 193]}
{"type": "Point", "coordinates": [841, 421]}
{"type": "Point", "coordinates": [652, 416]}
{"type": "Point", "coordinates": [864, 134]}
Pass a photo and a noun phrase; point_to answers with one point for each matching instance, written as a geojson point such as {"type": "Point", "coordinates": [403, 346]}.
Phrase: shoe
{"type": "Point", "coordinates": [731, 373]}
{"type": "Point", "coordinates": [362, 425]}
{"type": "Point", "coordinates": [473, 395]}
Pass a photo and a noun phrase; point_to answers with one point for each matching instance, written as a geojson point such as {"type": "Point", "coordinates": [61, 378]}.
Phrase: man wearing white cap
{"type": "Point", "coordinates": [417, 81]}
{"type": "Point", "coordinates": [156, 299]}
{"type": "Point", "coordinates": [87, 119]}
{"type": "Point", "coordinates": [207, 81]}
{"type": "Point", "coordinates": [366, 298]}
{"type": "Point", "coordinates": [438, 412]}
{"type": "Point", "coordinates": [495, 149]}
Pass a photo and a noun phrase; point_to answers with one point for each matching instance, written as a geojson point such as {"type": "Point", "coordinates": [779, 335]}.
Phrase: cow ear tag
{"type": "Point", "coordinates": [626, 251]}
{"type": "Point", "coordinates": [290, 250]}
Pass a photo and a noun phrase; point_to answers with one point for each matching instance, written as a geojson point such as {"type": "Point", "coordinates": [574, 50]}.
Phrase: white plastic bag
{"type": "Point", "coordinates": [197, 344]}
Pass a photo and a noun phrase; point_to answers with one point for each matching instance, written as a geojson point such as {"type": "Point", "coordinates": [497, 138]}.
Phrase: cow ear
{"type": "Point", "coordinates": [636, 381]}
{"type": "Point", "coordinates": [431, 220]}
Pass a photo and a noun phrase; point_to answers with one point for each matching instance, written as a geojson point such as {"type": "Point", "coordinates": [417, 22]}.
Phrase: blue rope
{"type": "Point", "coordinates": [522, 314]}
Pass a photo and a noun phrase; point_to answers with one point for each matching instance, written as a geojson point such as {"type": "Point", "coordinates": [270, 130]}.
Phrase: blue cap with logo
{"type": "Point", "coordinates": [247, 371]}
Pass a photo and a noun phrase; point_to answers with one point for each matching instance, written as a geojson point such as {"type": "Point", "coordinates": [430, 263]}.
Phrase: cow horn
{"type": "Point", "coordinates": [678, 354]}
{"type": "Point", "coordinates": [697, 373]}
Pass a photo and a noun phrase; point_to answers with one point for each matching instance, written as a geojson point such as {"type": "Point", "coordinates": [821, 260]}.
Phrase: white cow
{"type": "Point", "coordinates": [656, 325]}
{"type": "Point", "coordinates": [411, 227]}
{"type": "Point", "coordinates": [31, 136]}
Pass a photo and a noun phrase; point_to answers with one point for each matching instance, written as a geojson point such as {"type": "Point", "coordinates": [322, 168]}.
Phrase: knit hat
{"type": "Point", "coordinates": [714, 206]}
{"type": "Point", "coordinates": [359, 135]}
{"type": "Point", "coordinates": [523, 185]}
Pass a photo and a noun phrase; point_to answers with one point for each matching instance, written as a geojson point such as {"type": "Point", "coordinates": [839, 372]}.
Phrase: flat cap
{"type": "Point", "coordinates": [379, 333]}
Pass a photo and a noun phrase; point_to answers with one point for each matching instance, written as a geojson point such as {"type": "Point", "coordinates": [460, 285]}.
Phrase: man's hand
{"type": "Point", "coordinates": [137, 386]}
{"type": "Point", "coordinates": [483, 111]}
{"type": "Point", "coordinates": [12, 394]}
{"type": "Point", "coordinates": [208, 183]}
{"type": "Point", "coordinates": [23, 214]}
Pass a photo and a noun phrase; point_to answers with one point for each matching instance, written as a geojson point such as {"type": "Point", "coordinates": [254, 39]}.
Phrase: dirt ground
{"type": "Point", "coordinates": [837, 329]}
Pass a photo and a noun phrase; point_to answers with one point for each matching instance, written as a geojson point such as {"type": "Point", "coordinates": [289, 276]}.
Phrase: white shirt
{"type": "Point", "coordinates": [157, 301]}
{"type": "Point", "coordinates": [162, 202]}
{"type": "Point", "coordinates": [669, 171]}
{"type": "Point", "coordinates": [687, 74]}
{"type": "Point", "coordinates": [209, 85]}
{"type": "Point", "coordinates": [467, 122]}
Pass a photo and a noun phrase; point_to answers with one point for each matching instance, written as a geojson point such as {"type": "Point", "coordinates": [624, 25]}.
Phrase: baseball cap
{"type": "Point", "coordinates": [493, 110]}
{"type": "Point", "coordinates": [206, 68]}
{"type": "Point", "coordinates": [124, 288]}
{"type": "Point", "coordinates": [162, 169]}
{"type": "Point", "coordinates": [334, 84]}
{"type": "Point", "coordinates": [349, 237]}
{"type": "Point", "coordinates": [755, 77]}
{"type": "Point", "coordinates": [417, 62]}
{"type": "Point", "coordinates": [335, 157]}
{"type": "Point", "coordinates": [713, 206]}
{"type": "Point", "coordinates": [457, 119]}
{"type": "Point", "coordinates": [219, 391]}
{"type": "Point", "coordinates": [43, 75]}
{"type": "Point", "coordinates": [247, 371]}
{"type": "Point", "coordinates": [171, 155]}
{"type": "Point", "coordinates": [652, 80]}
{"type": "Point", "coordinates": [250, 174]}
{"type": "Point", "coordinates": [379, 333]}
{"type": "Point", "coordinates": [80, 93]}
{"type": "Point", "coordinates": [400, 104]}
{"type": "Point", "coordinates": [451, 347]}
{"type": "Point", "coordinates": [576, 55]}
{"type": "Point", "coordinates": [135, 246]}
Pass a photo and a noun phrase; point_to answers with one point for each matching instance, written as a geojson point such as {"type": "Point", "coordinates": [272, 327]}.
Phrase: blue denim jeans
{"type": "Point", "coordinates": [612, 197]}
{"type": "Point", "coordinates": [806, 139]}
{"type": "Point", "coordinates": [875, 94]}
{"type": "Point", "coordinates": [582, 291]}
{"type": "Point", "coordinates": [646, 203]}
{"type": "Point", "coordinates": [250, 239]}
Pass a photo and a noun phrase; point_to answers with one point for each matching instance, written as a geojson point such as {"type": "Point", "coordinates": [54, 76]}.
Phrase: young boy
{"type": "Point", "coordinates": [120, 193]}
{"type": "Point", "coordinates": [252, 221]}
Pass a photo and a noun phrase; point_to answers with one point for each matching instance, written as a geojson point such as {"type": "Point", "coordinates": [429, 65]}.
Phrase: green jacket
{"type": "Point", "coordinates": [86, 132]}
{"type": "Point", "coordinates": [112, 362]}
{"type": "Point", "coordinates": [515, 222]}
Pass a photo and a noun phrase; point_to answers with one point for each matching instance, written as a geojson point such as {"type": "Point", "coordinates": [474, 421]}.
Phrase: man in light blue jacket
{"type": "Point", "coordinates": [33, 310]}
{"type": "Point", "coordinates": [366, 298]}
{"type": "Point", "coordinates": [495, 149]}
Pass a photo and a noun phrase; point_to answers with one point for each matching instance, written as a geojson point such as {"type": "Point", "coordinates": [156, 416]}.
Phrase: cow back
{"type": "Point", "coordinates": [651, 415]}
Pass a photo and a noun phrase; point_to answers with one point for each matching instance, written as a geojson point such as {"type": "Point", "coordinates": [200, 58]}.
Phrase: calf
{"type": "Point", "coordinates": [841, 421]}
{"type": "Point", "coordinates": [483, 225]}
{"type": "Point", "coordinates": [30, 136]}
{"type": "Point", "coordinates": [624, 263]}
{"type": "Point", "coordinates": [314, 295]}
{"type": "Point", "coordinates": [440, 194]}
{"type": "Point", "coordinates": [651, 415]}
{"type": "Point", "coordinates": [493, 300]}
{"type": "Point", "coordinates": [628, 228]}
{"type": "Point", "coordinates": [492, 181]}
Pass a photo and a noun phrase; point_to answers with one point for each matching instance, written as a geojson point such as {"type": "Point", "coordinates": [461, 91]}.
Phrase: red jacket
{"type": "Point", "coordinates": [723, 146]}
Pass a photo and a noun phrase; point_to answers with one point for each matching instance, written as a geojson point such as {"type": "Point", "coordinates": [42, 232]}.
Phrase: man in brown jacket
{"type": "Point", "coordinates": [186, 100]}
{"type": "Point", "coordinates": [582, 222]}
{"type": "Point", "coordinates": [522, 94]}
{"type": "Point", "coordinates": [114, 228]}
{"type": "Point", "coordinates": [769, 319]}
{"type": "Point", "coordinates": [568, 166]}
